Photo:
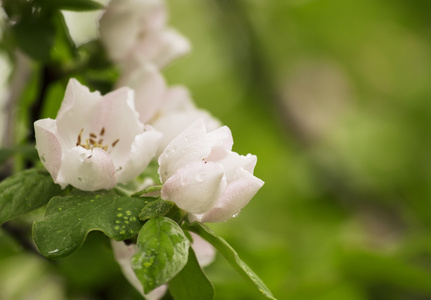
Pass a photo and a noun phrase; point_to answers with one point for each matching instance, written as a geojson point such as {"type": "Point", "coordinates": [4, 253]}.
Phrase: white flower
{"type": "Point", "coordinates": [96, 141]}
{"type": "Point", "coordinates": [168, 110]}
{"type": "Point", "coordinates": [135, 31]}
{"type": "Point", "coordinates": [205, 254]}
{"type": "Point", "coordinates": [203, 176]}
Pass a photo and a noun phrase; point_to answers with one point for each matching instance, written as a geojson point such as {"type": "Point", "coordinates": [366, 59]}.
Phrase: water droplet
{"type": "Point", "coordinates": [117, 227]}
{"type": "Point", "coordinates": [79, 179]}
{"type": "Point", "coordinates": [200, 176]}
{"type": "Point", "coordinates": [42, 158]}
{"type": "Point", "coordinates": [59, 208]}
{"type": "Point", "coordinates": [119, 208]}
{"type": "Point", "coordinates": [128, 212]}
{"type": "Point", "coordinates": [119, 215]}
{"type": "Point", "coordinates": [122, 232]}
{"type": "Point", "coordinates": [118, 222]}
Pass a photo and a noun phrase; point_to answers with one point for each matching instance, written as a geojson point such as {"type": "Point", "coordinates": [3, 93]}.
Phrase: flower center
{"type": "Point", "coordinates": [94, 141]}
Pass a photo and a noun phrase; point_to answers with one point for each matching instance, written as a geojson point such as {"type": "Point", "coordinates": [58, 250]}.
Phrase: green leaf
{"type": "Point", "coordinates": [69, 219]}
{"type": "Point", "coordinates": [154, 209]}
{"type": "Point", "coordinates": [74, 5]}
{"type": "Point", "coordinates": [162, 252]}
{"type": "Point", "coordinates": [231, 256]}
{"type": "Point", "coordinates": [24, 192]}
{"type": "Point", "coordinates": [28, 151]}
{"type": "Point", "coordinates": [191, 282]}
{"type": "Point", "coordinates": [35, 36]}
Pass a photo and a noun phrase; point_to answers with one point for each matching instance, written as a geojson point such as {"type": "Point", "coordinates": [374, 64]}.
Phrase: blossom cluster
{"type": "Point", "coordinates": [98, 141]}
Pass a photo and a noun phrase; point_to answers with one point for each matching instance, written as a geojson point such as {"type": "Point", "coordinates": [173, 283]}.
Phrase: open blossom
{"type": "Point", "coordinates": [203, 176]}
{"type": "Point", "coordinates": [96, 141]}
{"type": "Point", "coordinates": [169, 110]}
{"type": "Point", "coordinates": [205, 254]}
{"type": "Point", "coordinates": [135, 31]}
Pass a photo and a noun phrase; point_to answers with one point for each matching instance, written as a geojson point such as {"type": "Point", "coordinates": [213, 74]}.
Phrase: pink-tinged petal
{"type": "Point", "coordinates": [172, 123]}
{"type": "Point", "coordinates": [149, 86]}
{"type": "Point", "coordinates": [48, 146]}
{"type": "Point", "coordinates": [189, 146]}
{"type": "Point", "coordinates": [160, 48]}
{"type": "Point", "coordinates": [79, 107]}
{"type": "Point", "coordinates": [205, 252]}
{"type": "Point", "coordinates": [88, 170]}
{"type": "Point", "coordinates": [177, 98]}
{"type": "Point", "coordinates": [196, 187]}
{"type": "Point", "coordinates": [123, 255]}
{"type": "Point", "coordinates": [125, 21]}
{"type": "Point", "coordinates": [120, 120]}
{"type": "Point", "coordinates": [234, 197]}
{"type": "Point", "coordinates": [142, 152]}
{"type": "Point", "coordinates": [234, 165]}
{"type": "Point", "coordinates": [221, 143]}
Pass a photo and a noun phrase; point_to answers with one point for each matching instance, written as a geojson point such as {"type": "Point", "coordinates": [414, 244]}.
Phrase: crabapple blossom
{"type": "Point", "coordinates": [168, 110]}
{"type": "Point", "coordinates": [203, 176]}
{"type": "Point", "coordinates": [205, 254]}
{"type": "Point", "coordinates": [95, 141]}
{"type": "Point", "coordinates": [135, 31]}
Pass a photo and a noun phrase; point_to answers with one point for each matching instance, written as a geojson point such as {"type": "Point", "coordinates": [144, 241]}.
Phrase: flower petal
{"type": "Point", "coordinates": [142, 151]}
{"type": "Point", "coordinates": [221, 143]}
{"type": "Point", "coordinates": [160, 48]}
{"type": "Point", "coordinates": [149, 86]}
{"type": "Point", "coordinates": [48, 146]}
{"type": "Point", "coordinates": [87, 170]}
{"type": "Point", "coordinates": [234, 197]}
{"type": "Point", "coordinates": [196, 187]}
{"type": "Point", "coordinates": [189, 146]}
{"type": "Point", "coordinates": [123, 255]}
{"type": "Point", "coordinates": [205, 252]}
{"type": "Point", "coordinates": [234, 164]}
{"type": "Point", "coordinates": [78, 107]}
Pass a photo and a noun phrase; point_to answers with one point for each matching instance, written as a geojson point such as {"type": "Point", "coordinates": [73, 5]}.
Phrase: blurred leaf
{"type": "Point", "coordinates": [69, 219]}
{"type": "Point", "coordinates": [373, 267]}
{"type": "Point", "coordinates": [154, 209]}
{"type": "Point", "coordinates": [28, 151]}
{"type": "Point", "coordinates": [191, 282]}
{"type": "Point", "coordinates": [162, 252]}
{"type": "Point", "coordinates": [75, 5]}
{"type": "Point", "coordinates": [35, 36]}
{"type": "Point", "coordinates": [232, 257]}
{"type": "Point", "coordinates": [24, 192]}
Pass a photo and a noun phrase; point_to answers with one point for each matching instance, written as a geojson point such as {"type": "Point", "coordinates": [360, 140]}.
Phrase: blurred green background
{"type": "Point", "coordinates": [334, 99]}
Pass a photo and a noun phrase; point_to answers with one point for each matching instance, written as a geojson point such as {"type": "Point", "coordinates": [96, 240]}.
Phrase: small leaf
{"type": "Point", "coordinates": [150, 189]}
{"type": "Point", "coordinates": [163, 250]}
{"type": "Point", "coordinates": [191, 282]}
{"type": "Point", "coordinates": [69, 219]}
{"type": "Point", "coordinates": [231, 256]}
{"type": "Point", "coordinates": [74, 5]}
{"type": "Point", "coordinates": [24, 192]}
{"type": "Point", "coordinates": [154, 209]}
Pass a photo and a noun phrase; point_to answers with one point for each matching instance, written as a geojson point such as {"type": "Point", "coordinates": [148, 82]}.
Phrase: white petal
{"type": "Point", "coordinates": [234, 197]}
{"type": "Point", "coordinates": [123, 255]}
{"type": "Point", "coordinates": [121, 122]}
{"type": "Point", "coordinates": [79, 107]}
{"type": "Point", "coordinates": [189, 146]}
{"type": "Point", "coordinates": [205, 252]}
{"type": "Point", "coordinates": [160, 48]}
{"type": "Point", "coordinates": [124, 21]}
{"type": "Point", "coordinates": [48, 146]}
{"type": "Point", "coordinates": [87, 170]}
{"type": "Point", "coordinates": [221, 143]}
{"type": "Point", "coordinates": [234, 164]}
{"type": "Point", "coordinates": [177, 98]}
{"type": "Point", "coordinates": [149, 86]}
{"type": "Point", "coordinates": [196, 187]}
{"type": "Point", "coordinates": [142, 152]}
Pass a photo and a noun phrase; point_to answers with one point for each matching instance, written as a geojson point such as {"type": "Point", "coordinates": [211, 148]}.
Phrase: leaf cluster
{"type": "Point", "coordinates": [158, 227]}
